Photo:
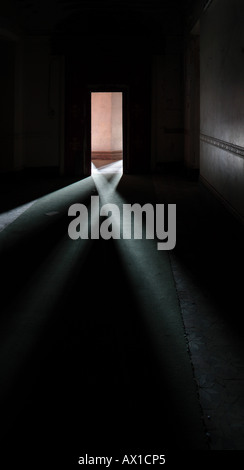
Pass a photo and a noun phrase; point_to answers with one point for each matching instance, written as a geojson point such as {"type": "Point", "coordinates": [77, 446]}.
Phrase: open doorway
{"type": "Point", "coordinates": [107, 132]}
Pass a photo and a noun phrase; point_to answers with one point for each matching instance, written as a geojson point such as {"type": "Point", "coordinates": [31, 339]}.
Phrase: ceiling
{"type": "Point", "coordinates": [100, 16]}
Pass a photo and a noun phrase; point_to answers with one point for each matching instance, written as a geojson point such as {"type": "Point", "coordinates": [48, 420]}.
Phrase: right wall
{"type": "Point", "coordinates": [222, 102]}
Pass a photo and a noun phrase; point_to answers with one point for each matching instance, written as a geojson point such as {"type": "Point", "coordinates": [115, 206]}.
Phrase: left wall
{"type": "Point", "coordinates": [7, 105]}
{"type": "Point", "coordinates": [42, 110]}
{"type": "Point", "coordinates": [31, 105]}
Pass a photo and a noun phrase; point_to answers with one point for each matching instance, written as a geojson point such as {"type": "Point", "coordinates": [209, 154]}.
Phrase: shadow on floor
{"type": "Point", "coordinates": [92, 381]}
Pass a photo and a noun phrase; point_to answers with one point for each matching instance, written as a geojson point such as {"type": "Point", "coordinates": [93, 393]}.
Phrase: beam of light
{"type": "Point", "coordinates": [28, 313]}
{"type": "Point", "coordinates": [150, 275]}
{"type": "Point", "coordinates": [55, 203]}
{"type": "Point", "coordinates": [34, 306]}
{"type": "Point", "coordinates": [8, 217]}
{"type": "Point", "coordinates": [101, 181]}
{"type": "Point", "coordinates": [114, 167]}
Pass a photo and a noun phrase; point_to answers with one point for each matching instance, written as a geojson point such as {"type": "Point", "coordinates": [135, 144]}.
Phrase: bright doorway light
{"type": "Point", "coordinates": [106, 131]}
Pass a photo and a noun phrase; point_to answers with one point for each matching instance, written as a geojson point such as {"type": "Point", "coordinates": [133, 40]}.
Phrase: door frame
{"type": "Point", "coordinates": [108, 88]}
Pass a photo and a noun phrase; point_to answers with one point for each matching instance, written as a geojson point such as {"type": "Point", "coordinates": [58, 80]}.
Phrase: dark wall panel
{"type": "Point", "coordinates": [129, 73]}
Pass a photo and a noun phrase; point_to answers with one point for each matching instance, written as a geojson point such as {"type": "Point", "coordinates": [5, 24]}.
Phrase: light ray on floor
{"type": "Point", "coordinates": [114, 167]}
{"type": "Point", "coordinates": [33, 305]}
{"type": "Point", "coordinates": [52, 204]}
{"type": "Point", "coordinates": [8, 217]}
{"type": "Point", "coordinates": [150, 275]}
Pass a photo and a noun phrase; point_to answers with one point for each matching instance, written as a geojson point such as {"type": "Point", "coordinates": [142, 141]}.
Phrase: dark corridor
{"type": "Point", "coordinates": [113, 345]}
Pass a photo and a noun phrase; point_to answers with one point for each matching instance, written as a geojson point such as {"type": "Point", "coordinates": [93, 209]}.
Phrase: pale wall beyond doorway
{"type": "Point", "coordinates": [106, 127]}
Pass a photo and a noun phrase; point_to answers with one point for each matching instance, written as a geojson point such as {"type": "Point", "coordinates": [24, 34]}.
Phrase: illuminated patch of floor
{"type": "Point", "coordinates": [8, 217]}
{"type": "Point", "coordinates": [115, 167]}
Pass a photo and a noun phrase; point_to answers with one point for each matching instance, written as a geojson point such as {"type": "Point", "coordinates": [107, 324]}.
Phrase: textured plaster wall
{"type": "Point", "coordinates": [222, 101]}
{"type": "Point", "coordinates": [117, 124]}
{"type": "Point", "coordinates": [7, 111]}
{"type": "Point", "coordinates": [106, 122]}
{"type": "Point", "coordinates": [167, 118]}
{"type": "Point", "coordinates": [192, 102]}
{"type": "Point", "coordinates": [41, 104]}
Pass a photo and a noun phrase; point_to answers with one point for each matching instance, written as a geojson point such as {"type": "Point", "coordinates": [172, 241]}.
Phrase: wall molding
{"type": "Point", "coordinates": [114, 154]}
{"type": "Point", "coordinates": [223, 145]}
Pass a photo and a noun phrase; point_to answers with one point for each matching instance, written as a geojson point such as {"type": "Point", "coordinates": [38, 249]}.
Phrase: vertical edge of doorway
{"type": "Point", "coordinates": [87, 135]}
{"type": "Point", "coordinates": [125, 121]}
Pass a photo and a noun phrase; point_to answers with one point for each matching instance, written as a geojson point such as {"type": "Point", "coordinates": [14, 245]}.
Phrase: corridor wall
{"type": "Point", "coordinates": [222, 102]}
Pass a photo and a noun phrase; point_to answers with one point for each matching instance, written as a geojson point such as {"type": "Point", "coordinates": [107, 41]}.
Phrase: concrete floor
{"type": "Point", "coordinates": [107, 166]}
{"type": "Point", "coordinates": [208, 278]}
{"type": "Point", "coordinates": [9, 216]}
{"type": "Point", "coordinates": [217, 359]}
{"type": "Point", "coordinates": [208, 283]}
